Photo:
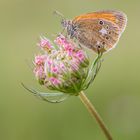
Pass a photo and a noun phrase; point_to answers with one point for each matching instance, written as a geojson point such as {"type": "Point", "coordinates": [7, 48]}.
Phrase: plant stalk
{"type": "Point", "coordinates": [95, 114]}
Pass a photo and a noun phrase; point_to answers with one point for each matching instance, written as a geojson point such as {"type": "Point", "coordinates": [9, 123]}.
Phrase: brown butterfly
{"type": "Point", "coordinates": [99, 31]}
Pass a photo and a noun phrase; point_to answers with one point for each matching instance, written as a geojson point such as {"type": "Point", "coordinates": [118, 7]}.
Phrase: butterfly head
{"type": "Point", "coordinates": [70, 28]}
{"type": "Point", "coordinates": [66, 24]}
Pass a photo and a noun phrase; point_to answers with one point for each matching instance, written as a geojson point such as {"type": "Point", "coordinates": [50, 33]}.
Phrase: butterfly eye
{"type": "Point", "coordinates": [107, 37]}
{"type": "Point", "coordinates": [103, 43]}
{"type": "Point", "coordinates": [107, 27]}
{"type": "Point", "coordinates": [74, 28]}
{"type": "Point", "coordinates": [101, 22]}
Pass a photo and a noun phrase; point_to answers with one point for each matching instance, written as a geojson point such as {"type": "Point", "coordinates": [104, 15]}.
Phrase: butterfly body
{"type": "Point", "coordinates": [99, 31]}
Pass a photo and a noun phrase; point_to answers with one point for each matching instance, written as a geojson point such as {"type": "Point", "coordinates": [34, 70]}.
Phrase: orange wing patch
{"type": "Point", "coordinates": [106, 16]}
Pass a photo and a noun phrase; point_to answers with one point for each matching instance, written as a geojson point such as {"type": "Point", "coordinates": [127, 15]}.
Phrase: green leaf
{"type": "Point", "coordinates": [93, 71]}
{"type": "Point", "coordinates": [48, 97]}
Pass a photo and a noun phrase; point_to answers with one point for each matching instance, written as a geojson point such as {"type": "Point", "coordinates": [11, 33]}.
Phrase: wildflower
{"type": "Point", "coordinates": [45, 44]}
{"type": "Point", "coordinates": [64, 67]}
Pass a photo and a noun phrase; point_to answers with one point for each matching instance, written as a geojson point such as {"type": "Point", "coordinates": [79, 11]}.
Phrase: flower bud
{"type": "Point", "coordinates": [62, 68]}
{"type": "Point", "coordinates": [45, 44]}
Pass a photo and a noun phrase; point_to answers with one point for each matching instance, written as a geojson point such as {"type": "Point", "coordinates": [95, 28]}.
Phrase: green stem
{"type": "Point", "coordinates": [95, 114]}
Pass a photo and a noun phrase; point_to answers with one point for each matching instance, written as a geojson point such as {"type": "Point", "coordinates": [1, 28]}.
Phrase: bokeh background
{"type": "Point", "coordinates": [115, 93]}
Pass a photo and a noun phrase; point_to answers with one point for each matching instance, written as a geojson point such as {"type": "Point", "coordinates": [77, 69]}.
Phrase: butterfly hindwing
{"type": "Point", "coordinates": [97, 34]}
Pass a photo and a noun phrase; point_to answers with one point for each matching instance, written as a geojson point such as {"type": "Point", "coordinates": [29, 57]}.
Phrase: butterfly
{"type": "Point", "coordinates": [99, 31]}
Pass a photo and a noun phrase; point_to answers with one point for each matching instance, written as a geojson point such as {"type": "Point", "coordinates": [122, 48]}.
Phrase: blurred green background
{"type": "Point", "coordinates": [115, 93]}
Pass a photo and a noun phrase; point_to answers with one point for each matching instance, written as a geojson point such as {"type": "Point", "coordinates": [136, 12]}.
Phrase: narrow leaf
{"type": "Point", "coordinates": [48, 97]}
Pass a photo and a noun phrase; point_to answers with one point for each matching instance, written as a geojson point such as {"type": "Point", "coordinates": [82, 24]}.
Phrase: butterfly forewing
{"type": "Point", "coordinates": [116, 17]}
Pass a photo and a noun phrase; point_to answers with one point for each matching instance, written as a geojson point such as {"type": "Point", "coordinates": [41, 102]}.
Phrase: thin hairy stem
{"type": "Point", "coordinates": [95, 114]}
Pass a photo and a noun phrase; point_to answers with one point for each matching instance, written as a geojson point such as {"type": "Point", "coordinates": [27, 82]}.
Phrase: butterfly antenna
{"type": "Point", "coordinates": [59, 14]}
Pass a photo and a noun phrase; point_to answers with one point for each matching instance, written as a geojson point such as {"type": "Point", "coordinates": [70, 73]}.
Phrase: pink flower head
{"type": "Point", "coordinates": [49, 62]}
{"type": "Point", "coordinates": [45, 44]}
{"type": "Point", "coordinates": [62, 42]}
{"type": "Point", "coordinates": [55, 69]}
{"type": "Point", "coordinates": [54, 81]}
{"type": "Point", "coordinates": [40, 59]}
{"type": "Point", "coordinates": [69, 49]}
{"type": "Point", "coordinates": [61, 66]}
{"type": "Point", "coordinates": [39, 72]}
{"type": "Point", "coordinates": [80, 55]}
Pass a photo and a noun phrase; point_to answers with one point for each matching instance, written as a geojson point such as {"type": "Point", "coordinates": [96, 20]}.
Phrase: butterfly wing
{"type": "Point", "coordinates": [100, 31]}
{"type": "Point", "coordinates": [98, 37]}
{"type": "Point", "coordinates": [116, 17]}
